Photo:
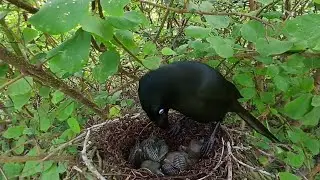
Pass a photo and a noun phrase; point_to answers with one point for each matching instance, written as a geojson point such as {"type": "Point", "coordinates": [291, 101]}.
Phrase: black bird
{"type": "Point", "coordinates": [195, 90]}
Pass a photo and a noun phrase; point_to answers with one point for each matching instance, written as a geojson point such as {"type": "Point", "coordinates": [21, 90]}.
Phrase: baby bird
{"type": "Point", "coordinates": [174, 162]}
{"type": "Point", "coordinates": [193, 150]}
{"type": "Point", "coordinates": [153, 166]}
{"type": "Point", "coordinates": [136, 156]}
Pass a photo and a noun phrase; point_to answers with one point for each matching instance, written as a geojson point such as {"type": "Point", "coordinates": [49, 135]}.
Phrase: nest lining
{"type": "Point", "coordinates": [115, 139]}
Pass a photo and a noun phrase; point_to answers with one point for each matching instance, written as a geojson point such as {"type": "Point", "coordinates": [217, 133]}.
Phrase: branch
{"type": "Point", "coordinates": [163, 21]}
{"type": "Point", "coordinates": [47, 79]}
{"type": "Point", "coordinates": [23, 5]}
{"type": "Point", "coordinates": [184, 11]}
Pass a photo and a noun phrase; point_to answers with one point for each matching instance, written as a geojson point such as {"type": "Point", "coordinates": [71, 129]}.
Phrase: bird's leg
{"type": "Point", "coordinates": [176, 128]}
{"type": "Point", "coordinates": [208, 145]}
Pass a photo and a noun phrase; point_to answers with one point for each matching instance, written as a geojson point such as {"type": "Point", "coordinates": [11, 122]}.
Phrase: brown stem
{"type": "Point", "coordinates": [23, 5]}
{"type": "Point", "coordinates": [163, 21]}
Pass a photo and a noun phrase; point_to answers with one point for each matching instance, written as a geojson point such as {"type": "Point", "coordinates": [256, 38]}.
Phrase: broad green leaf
{"type": "Point", "coordinates": [197, 32]}
{"type": "Point", "coordinates": [114, 7]}
{"type": "Point", "coordinates": [315, 101]}
{"type": "Point", "coordinates": [74, 125]}
{"type": "Point", "coordinates": [13, 132]}
{"type": "Point", "coordinates": [168, 51]}
{"type": "Point", "coordinates": [52, 173]}
{"type": "Point", "coordinates": [152, 62]}
{"type": "Point", "coordinates": [64, 110]}
{"type": "Point", "coordinates": [265, 2]}
{"type": "Point", "coordinates": [295, 160]}
{"type": "Point", "coordinates": [199, 45]}
{"type": "Point", "coordinates": [62, 167]}
{"type": "Point", "coordinates": [206, 6]}
{"type": "Point", "coordinates": [12, 169]}
{"type": "Point", "coordinates": [252, 31]}
{"type": "Point", "coordinates": [312, 117]}
{"type": "Point", "coordinates": [114, 111]}
{"type": "Point", "coordinates": [60, 16]}
{"type": "Point", "coordinates": [44, 118]}
{"type": "Point", "coordinates": [128, 21]}
{"type": "Point", "coordinates": [57, 96]}
{"type": "Point", "coordinates": [272, 15]}
{"type": "Point", "coordinates": [149, 48]}
{"type": "Point", "coordinates": [223, 47]}
{"type": "Point", "coordinates": [20, 100]}
{"type": "Point", "coordinates": [44, 91]}
{"type": "Point", "coordinates": [313, 145]}
{"type": "Point", "coordinates": [264, 60]}
{"type": "Point", "coordinates": [272, 46]}
{"type": "Point", "coordinates": [303, 28]}
{"type": "Point", "coordinates": [248, 93]}
{"type": "Point", "coordinates": [245, 79]}
{"type": "Point", "coordinates": [126, 38]}
{"type": "Point", "coordinates": [218, 22]}
{"type": "Point", "coordinates": [67, 135]}
{"type": "Point", "coordinates": [273, 70]}
{"type": "Point", "coordinates": [288, 176]}
{"type": "Point", "coordinates": [33, 167]}
{"type": "Point", "coordinates": [267, 97]}
{"type": "Point", "coordinates": [21, 86]}
{"type": "Point", "coordinates": [306, 84]}
{"type": "Point", "coordinates": [19, 145]}
{"type": "Point", "coordinates": [29, 34]}
{"type": "Point", "coordinates": [71, 55]}
{"type": "Point", "coordinates": [296, 135]}
{"type": "Point", "coordinates": [281, 82]}
{"type": "Point", "coordinates": [297, 108]}
{"type": "Point", "coordinates": [109, 63]}
{"type": "Point", "coordinates": [98, 26]}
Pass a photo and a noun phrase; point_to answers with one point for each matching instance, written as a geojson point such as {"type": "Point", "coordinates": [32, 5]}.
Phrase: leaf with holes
{"type": "Point", "coordinates": [72, 54]}
{"type": "Point", "coordinates": [60, 16]}
{"type": "Point", "coordinates": [114, 7]}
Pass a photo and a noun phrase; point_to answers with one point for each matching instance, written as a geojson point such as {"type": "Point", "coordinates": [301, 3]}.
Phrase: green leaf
{"type": "Point", "coordinates": [29, 34]}
{"type": "Point", "coordinates": [3, 69]}
{"type": "Point", "coordinates": [126, 37]}
{"type": "Point", "coordinates": [64, 110]}
{"type": "Point", "coordinates": [315, 101]}
{"type": "Point", "coordinates": [288, 176]}
{"type": "Point", "coordinates": [21, 86]}
{"type": "Point", "coordinates": [44, 91]}
{"type": "Point", "coordinates": [296, 135]}
{"type": "Point", "coordinates": [218, 22]}
{"type": "Point", "coordinates": [168, 51]}
{"type": "Point", "coordinates": [295, 160]}
{"type": "Point", "coordinates": [114, 111]}
{"type": "Point", "coordinates": [109, 63]}
{"type": "Point", "coordinates": [265, 2]}
{"type": "Point", "coordinates": [74, 125]}
{"type": "Point", "coordinates": [12, 169]}
{"type": "Point", "coordinates": [149, 48]}
{"type": "Point", "coordinates": [197, 32]}
{"type": "Point", "coordinates": [281, 82]}
{"type": "Point", "coordinates": [152, 62]}
{"type": "Point", "coordinates": [312, 117]}
{"type": "Point", "coordinates": [264, 60]}
{"type": "Point", "coordinates": [297, 108]}
{"type": "Point", "coordinates": [44, 118]}
{"type": "Point", "coordinates": [72, 54]}
{"type": "Point", "coordinates": [128, 21]}
{"type": "Point", "coordinates": [52, 173]}
{"type": "Point", "coordinates": [13, 132]}
{"type": "Point", "coordinates": [267, 97]}
{"type": "Point", "coordinates": [20, 100]}
{"type": "Point", "coordinates": [248, 93]}
{"type": "Point", "coordinates": [273, 70]}
{"type": "Point", "coordinates": [33, 167]}
{"type": "Point", "coordinates": [19, 145]}
{"type": "Point", "coordinates": [97, 26]}
{"type": "Point", "coordinates": [245, 79]}
{"type": "Point", "coordinates": [272, 46]}
{"type": "Point", "coordinates": [252, 31]}
{"type": "Point", "coordinates": [223, 47]}
{"type": "Point", "coordinates": [313, 145]}
{"type": "Point", "coordinates": [60, 16]}
{"type": "Point", "coordinates": [114, 7]}
{"type": "Point", "coordinates": [57, 96]}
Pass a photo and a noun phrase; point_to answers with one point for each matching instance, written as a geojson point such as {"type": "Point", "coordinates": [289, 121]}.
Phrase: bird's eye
{"type": "Point", "coordinates": [161, 111]}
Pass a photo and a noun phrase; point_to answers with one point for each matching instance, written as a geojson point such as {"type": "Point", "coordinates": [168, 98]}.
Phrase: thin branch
{"type": "Point", "coordinates": [86, 159]}
{"type": "Point", "coordinates": [3, 174]}
{"type": "Point", "coordinates": [23, 5]}
{"type": "Point", "coordinates": [184, 11]}
{"type": "Point", "coordinates": [163, 21]}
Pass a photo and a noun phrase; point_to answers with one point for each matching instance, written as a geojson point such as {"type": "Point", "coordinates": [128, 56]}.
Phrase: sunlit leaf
{"type": "Point", "coordinates": [97, 26]}
{"type": "Point", "coordinates": [109, 62]}
{"type": "Point", "coordinates": [297, 108]}
{"type": "Point", "coordinates": [197, 32]}
{"type": "Point", "coordinates": [114, 7]}
{"type": "Point", "coordinates": [223, 47]}
{"type": "Point", "coordinates": [13, 132]}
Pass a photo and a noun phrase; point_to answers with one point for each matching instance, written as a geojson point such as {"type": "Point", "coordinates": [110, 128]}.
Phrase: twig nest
{"type": "Point", "coordinates": [114, 141]}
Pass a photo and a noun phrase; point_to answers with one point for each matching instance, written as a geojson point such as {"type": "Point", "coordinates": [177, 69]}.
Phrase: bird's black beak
{"type": "Point", "coordinates": [162, 122]}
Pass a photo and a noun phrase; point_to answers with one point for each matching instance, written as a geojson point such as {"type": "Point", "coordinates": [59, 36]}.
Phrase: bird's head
{"type": "Point", "coordinates": [159, 116]}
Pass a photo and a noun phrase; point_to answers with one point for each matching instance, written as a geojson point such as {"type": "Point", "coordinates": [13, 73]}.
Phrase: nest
{"type": "Point", "coordinates": [230, 158]}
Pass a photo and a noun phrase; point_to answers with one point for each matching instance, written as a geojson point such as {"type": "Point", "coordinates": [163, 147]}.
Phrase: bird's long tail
{"type": "Point", "coordinates": [253, 122]}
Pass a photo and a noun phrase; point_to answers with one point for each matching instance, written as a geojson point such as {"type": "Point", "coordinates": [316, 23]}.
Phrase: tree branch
{"type": "Point", "coordinates": [23, 5]}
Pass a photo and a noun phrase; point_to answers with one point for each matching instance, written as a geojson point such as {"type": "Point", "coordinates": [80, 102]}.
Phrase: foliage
{"type": "Point", "coordinates": [272, 59]}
